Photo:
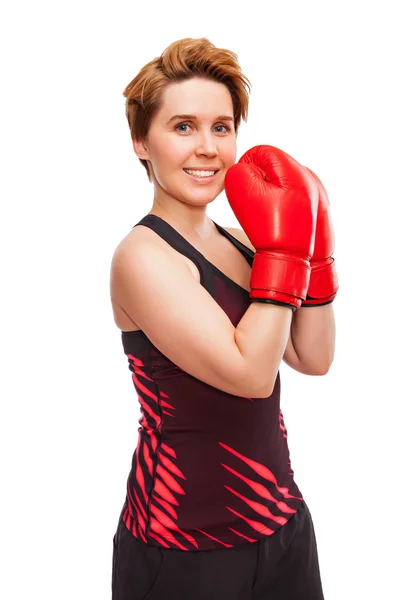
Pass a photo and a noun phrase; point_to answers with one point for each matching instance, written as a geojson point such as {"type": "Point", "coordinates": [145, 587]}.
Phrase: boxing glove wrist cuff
{"type": "Point", "coordinates": [323, 284]}
{"type": "Point", "coordinates": [276, 302]}
{"type": "Point", "coordinates": [281, 277]}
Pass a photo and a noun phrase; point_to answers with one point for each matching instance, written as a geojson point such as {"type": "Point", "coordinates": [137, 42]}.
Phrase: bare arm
{"type": "Point", "coordinates": [313, 337]}
{"type": "Point", "coordinates": [185, 323]}
{"type": "Point", "coordinates": [262, 336]}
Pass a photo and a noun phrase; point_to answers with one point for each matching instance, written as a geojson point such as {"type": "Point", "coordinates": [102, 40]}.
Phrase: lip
{"type": "Point", "coordinates": [203, 180]}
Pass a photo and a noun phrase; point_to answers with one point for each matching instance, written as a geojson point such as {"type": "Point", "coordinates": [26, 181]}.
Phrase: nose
{"type": "Point", "coordinates": [207, 145]}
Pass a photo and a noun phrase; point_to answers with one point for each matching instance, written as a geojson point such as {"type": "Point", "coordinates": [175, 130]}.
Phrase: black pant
{"type": "Point", "coordinates": [283, 566]}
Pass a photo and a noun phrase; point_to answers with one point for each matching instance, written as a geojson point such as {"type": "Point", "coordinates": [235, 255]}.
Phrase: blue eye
{"type": "Point", "coordinates": [182, 125]}
{"type": "Point", "coordinates": [226, 127]}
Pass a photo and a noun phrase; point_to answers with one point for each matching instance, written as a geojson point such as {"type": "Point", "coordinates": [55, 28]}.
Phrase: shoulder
{"type": "Point", "coordinates": [129, 250]}
{"type": "Point", "coordinates": [142, 248]}
{"type": "Point", "coordinates": [137, 239]}
{"type": "Point", "coordinates": [240, 235]}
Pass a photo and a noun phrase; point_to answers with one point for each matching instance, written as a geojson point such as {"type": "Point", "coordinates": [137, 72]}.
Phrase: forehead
{"type": "Point", "coordinates": [200, 97]}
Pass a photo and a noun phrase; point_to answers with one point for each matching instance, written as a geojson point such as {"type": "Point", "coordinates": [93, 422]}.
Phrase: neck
{"type": "Point", "coordinates": [191, 222]}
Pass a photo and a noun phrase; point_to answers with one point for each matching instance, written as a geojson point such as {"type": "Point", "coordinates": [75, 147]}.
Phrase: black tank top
{"type": "Point", "coordinates": [210, 469]}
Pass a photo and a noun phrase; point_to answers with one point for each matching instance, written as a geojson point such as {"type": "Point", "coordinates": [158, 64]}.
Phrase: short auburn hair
{"type": "Point", "coordinates": [182, 60]}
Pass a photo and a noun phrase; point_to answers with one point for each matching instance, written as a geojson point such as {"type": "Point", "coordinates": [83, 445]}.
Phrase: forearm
{"type": "Point", "coordinates": [261, 336]}
{"type": "Point", "coordinates": [313, 334]}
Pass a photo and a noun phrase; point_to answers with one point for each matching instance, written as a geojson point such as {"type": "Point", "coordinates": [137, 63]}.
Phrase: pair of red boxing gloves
{"type": "Point", "coordinates": [284, 210]}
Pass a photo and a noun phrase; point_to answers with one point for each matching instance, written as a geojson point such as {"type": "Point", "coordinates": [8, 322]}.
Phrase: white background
{"type": "Point", "coordinates": [324, 78]}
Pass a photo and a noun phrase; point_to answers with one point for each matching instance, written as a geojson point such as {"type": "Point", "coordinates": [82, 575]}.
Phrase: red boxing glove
{"type": "Point", "coordinates": [323, 285]}
{"type": "Point", "coordinates": [275, 200]}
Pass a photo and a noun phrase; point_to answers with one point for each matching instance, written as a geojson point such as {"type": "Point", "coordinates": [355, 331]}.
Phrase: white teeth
{"type": "Point", "coordinates": [200, 173]}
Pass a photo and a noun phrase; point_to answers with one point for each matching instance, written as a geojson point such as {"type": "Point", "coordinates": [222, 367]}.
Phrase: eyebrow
{"type": "Point", "coordinates": [194, 118]}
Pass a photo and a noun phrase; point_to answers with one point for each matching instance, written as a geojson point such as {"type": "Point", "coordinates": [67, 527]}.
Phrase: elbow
{"type": "Point", "coordinates": [317, 367]}
{"type": "Point", "coordinates": [320, 370]}
{"type": "Point", "coordinates": [263, 391]}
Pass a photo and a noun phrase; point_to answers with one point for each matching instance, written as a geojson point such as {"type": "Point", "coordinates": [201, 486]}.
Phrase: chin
{"type": "Point", "coordinates": [200, 200]}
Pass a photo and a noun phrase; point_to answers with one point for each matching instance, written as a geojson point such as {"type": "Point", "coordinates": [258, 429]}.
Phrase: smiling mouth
{"type": "Point", "coordinates": [205, 173]}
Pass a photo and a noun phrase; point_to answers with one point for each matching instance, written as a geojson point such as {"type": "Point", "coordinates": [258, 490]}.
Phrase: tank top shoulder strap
{"type": "Point", "coordinates": [180, 244]}
{"type": "Point", "coordinates": [247, 252]}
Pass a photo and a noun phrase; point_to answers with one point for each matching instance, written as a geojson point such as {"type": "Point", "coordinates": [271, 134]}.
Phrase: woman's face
{"type": "Point", "coordinates": [204, 140]}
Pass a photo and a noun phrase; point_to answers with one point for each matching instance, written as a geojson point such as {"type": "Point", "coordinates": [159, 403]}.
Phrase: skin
{"type": "Point", "coordinates": [183, 143]}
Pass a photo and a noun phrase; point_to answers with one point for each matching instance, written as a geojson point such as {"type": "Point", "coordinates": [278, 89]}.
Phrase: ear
{"type": "Point", "coordinates": [140, 149]}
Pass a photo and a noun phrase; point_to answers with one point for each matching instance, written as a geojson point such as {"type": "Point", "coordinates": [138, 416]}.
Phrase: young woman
{"type": "Point", "coordinates": [212, 510]}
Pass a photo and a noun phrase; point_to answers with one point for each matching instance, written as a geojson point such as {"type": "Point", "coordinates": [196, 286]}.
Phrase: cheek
{"type": "Point", "coordinates": [176, 152]}
{"type": "Point", "coordinates": [229, 158]}
{"type": "Point", "coordinates": [166, 147]}
{"type": "Point", "coordinates": [229, 151]}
